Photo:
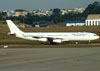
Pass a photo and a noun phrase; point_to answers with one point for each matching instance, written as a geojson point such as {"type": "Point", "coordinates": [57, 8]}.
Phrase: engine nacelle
{"type": "Point", "coordinates": [57, 40]}
{"type": "Point", "coordinates": [42, 39]}
{"type": "Point", "coordinates": [12, 34]}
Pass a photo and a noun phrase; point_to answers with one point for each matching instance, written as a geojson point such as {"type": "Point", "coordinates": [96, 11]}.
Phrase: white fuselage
{"type": "Point", "coordinates": [60, 36]}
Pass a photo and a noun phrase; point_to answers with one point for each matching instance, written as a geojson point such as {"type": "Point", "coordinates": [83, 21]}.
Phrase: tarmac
{"type": "Point", "coordinates": [50, 59]}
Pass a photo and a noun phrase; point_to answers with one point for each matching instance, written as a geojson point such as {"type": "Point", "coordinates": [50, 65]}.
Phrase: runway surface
{"type": "Point", "coordinates": [50, 46]}
{"type": "Point", "coordinates": [50, 59]}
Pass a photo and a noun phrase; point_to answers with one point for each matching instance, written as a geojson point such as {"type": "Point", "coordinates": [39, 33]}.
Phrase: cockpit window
{"type": "Point", "coordinates": [95, 35]}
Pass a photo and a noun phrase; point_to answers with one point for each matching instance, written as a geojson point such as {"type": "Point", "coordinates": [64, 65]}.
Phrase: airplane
{"type": "Point", "coordinates": [51, 37]}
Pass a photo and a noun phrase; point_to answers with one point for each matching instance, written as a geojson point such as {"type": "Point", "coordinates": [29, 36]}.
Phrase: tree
{"type": "Point", "coordinates": [93, 8]}
{"type": "Point", "coordinates": [3, 15]}
{"type": "Point", "coordinates": [56, 11]}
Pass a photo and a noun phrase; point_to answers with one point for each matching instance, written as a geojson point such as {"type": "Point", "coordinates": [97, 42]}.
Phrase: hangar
{"type": "Point", "coordinates": [93, 20]}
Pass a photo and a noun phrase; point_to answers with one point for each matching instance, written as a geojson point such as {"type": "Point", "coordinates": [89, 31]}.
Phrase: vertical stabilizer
{"type": "Point", "coordinates": [13, 28]}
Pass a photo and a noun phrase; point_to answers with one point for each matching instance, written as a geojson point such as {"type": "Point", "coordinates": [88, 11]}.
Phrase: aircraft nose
{"type": "Point", "coordinates": [97, 37]}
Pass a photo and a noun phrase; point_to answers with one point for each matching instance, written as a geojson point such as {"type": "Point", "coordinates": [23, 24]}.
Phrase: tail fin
{"type": "Point", "coordinates": [13, 28]}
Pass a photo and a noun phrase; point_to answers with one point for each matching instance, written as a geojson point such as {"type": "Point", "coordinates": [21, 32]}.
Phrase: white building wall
{"type": "Point", "coordinates": [92, 22]}
{"type": "Point", "coordinates": [99, 22]}
{"type": "Point", "coordinates": [75, 24]}
{"type": "Point", "coordinates": [89, 24]}
{"type": "Point", "coordinates": [86, 23]}
{"type": "Point", "coordinates": [96, 22]}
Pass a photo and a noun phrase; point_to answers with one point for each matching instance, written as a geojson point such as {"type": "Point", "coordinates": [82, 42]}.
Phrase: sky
{"type": "Point", "coordinates": [43, 4]}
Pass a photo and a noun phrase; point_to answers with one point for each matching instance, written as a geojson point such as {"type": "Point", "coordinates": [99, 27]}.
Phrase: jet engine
{"type": "Point", "coordinates": [57, 40]}
{"type": "Point", "coordinates": [42, 39]}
